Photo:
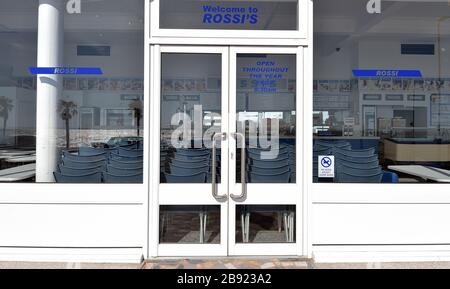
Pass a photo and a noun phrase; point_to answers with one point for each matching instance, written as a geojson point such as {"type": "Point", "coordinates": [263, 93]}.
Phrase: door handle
{"type": "Point", "coordinates": [243, 194]}
{"type": "Point", "coordinates": [220, 198]}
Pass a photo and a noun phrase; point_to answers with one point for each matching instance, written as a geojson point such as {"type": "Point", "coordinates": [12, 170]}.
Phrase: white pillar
{"type": "Point", "coordinates": [49, 87]}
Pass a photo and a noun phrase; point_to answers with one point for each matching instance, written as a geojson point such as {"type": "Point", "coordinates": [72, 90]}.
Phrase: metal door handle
{"type": "Point", "coordinates": [243, 194]}
{"type": "Point", "coordinates": [223, 198]}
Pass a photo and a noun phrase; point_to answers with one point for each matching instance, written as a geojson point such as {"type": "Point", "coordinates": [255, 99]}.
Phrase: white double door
{"type": "Point", "coordinates": [226, 157]}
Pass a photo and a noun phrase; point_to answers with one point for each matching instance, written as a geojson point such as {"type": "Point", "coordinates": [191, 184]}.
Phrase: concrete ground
{"type": "Point", "coordinates": [228, 263]}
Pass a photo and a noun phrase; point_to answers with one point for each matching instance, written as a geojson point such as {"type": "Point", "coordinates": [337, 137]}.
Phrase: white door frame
{"type": "Point", "coordinates": [268, 194]}
{"type": "Point", "coordinates": [187, 194]}
{"type": "Point", "coordinates": [200, 194]}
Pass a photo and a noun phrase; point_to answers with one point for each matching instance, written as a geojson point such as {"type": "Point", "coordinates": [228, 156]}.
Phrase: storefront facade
{"type": "Point", "coordinates": [173, 128]}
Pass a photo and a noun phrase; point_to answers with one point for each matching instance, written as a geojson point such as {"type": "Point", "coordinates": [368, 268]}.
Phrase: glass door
{"type": "Point", "coordinates": [265, 192]}
{"type": "Point", "coordinates": [227, 153]}
{"type": "Point", "coordinates": [193, 173]}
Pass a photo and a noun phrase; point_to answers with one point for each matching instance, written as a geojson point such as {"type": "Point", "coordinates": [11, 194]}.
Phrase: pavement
{"type": "Point", "coordinates": [228, 263]}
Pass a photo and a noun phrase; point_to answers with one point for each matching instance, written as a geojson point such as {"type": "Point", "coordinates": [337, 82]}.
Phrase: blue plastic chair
{"type": "Point", "coordinates": [90, 151]}
{"type": "Point", "coordinates": [257, 151]}
{"type": "Point", "coordinates": [359, 178]}
{"type": "Point", "coordinates": [115, 156]}
{"type": "Point", "coordinates": [390, 177]}
{"type": "Point", "coordinates": [322, 150]}
{"type": "Point", "coordinates": [209, 178]}
{"type": "Point", "coordinates": [357, 171]}
{"type": "Point", "coordinates": [293, 178]}
{"type": "Point", "coordinates": [82, 164]}
{"type": "Point", "coordinates": [269, 163]}
{"type": "Point", "coordinates": [125, 164]}
{"type": "Point", "coordinates": [130, 153]}
{"type": "Point", "coordinates": [197, 178]}
{"type": "Point", "coordinates": [186, 158]}
{"type": "Point", "coordinates": [122, 179]}
{"type": "Point", "coordinates": [79, 172]}
{"type": "Point", "coordinates": [258, 156]}
{"type": "Point", "coordinates": [188, 163]}
{"type": "Point", "coordinates": [92, 158]}
{"type": "Point", "coordinates": [259, 170]}
{"type": "Point", "coordinates": [359, 164]}
{"type": "Point", "coordinates": [87, 178]}
{"type": "Point", "coordinates": [354, 159]}
{"type": "Point", "coordinates": [193, 152]}
{"type": "Point", "coordinates": [354, 153]}
{"type": "Point", "coordinates": [269, 178]}
{"type": "Point", "coordinates": [123, 171]}
{"type": "Point", "coordinates": [339, 144]}
{"type": "Point", "coordinates": [177, 170]}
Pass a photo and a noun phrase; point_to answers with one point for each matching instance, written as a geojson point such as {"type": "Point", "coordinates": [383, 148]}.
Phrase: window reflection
{"type": "Point", "coordinates": [390, 125]}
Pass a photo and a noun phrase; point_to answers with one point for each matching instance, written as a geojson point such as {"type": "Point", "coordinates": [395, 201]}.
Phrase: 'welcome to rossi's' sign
{"type": "Point", "coordinates": [230, 15]}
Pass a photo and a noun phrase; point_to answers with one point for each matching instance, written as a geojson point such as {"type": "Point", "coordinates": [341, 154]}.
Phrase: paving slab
{"type": "Point", "coordinates": [227, 263]}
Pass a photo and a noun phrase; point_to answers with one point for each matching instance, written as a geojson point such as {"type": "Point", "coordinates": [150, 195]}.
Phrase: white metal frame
{"type": "Point", "coordinates": [200, 194]}
{"type": "Point", "coordinates": [268, 194]}
{"type": "Point", "coordinates": [230, 37]}
{"type": "Point", "coordinates": [187, 194]}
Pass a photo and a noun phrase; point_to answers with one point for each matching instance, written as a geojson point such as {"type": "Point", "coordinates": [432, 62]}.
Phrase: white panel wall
{"type": "Point", "coordinates": [71, 225]}
{"type": "Point", "coordinates": [394, 224]}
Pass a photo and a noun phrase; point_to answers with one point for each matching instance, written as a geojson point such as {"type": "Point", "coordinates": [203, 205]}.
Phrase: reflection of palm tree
{"type": "Point", "coordinates": [5, 107]}
{"type": "Point", "coordinates": [67, 109]}
{"type": "Point", "coordinates": [136, 107]}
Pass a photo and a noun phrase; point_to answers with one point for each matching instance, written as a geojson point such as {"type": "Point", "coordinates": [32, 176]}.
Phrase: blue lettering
{"type": "Point", "coordinates": [236, 19]}
{"type": "Point", "coordinates": [253, 19]}
{"type": "Point", "coordinates": [207, 18]}
{"type": "Point", "coordinates": [217, 18]}
{"type": "Point", "coordinates": [227, 18]}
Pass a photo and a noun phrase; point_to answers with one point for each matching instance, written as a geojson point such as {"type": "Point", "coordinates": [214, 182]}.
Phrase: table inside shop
{"type": "Point", "coordinates": [19, 173]}
{"type": "Point", "coordinates": [424, 172]}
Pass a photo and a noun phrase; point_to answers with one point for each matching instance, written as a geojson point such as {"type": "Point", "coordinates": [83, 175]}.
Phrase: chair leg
{"type": "Point", "coordinates": [243, 226]}
{"type": "Point", "coordinates": [279, 220]}
{"type": "Point", "coordinates": [201, 227]}
{"type": "Point", "coordinates": [292, 217]}
{"type": "Point", "coordinates": [286, 225]}
{"type": "Point", "coordinates": [247, 221]}
{"type": "Point", "coordinates": [161, 229]}
{"type": "Point", "coordinates": [205, 221]}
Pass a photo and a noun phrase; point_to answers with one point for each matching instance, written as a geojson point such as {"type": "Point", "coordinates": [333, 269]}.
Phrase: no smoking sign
{"type": "Point", "coordinates": [326, 167]}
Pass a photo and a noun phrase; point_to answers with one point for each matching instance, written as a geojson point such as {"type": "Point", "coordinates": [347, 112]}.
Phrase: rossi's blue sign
{"type": "Point", "coordinates": [230, 15]}
{"type": "Point", "coordinates": [386, 73]}
{"type": "Point", "coordinates": [66, 70]}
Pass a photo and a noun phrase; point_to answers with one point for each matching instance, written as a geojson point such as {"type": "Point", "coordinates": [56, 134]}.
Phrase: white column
{"type": "Point", "coordinates": [49, 87]}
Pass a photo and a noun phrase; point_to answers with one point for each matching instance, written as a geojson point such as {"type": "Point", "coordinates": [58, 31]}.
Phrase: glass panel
{"type": "Point", "coordinates": [18, 50]}
{"type": "Point", "coordinates": [97, 134]}
{"type": "Point", "coordinates": [189, 224]}
{"type": "Point", "coordinates": [190, 116]}
{"type": "Point", "coordinates": [265, 224]}
{"type": "Point", "coordinates": [266, 114]}
{"type": "Point", "coordinates": [382, 92]}
{"type": "Point", "coordinates": [226, 14]}
{"type": "Point", "coordinates": [100, 117]}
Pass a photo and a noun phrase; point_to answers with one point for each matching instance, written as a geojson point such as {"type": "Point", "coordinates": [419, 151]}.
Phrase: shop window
{"type": "Point", "coordinates": [98, 132]}
{"type": "Point", "coordinates": [381, 86]}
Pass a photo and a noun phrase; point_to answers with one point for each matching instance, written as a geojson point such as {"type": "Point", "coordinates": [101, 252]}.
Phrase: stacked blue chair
{"type": "Point", "coordinates": [271, 166]}
{"type": "Point", "coordinates": [359, 166]}
{"type": "Point", "coordinates": [190, 166]}
{"type": "Point", "coordinates": [94, 165]}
